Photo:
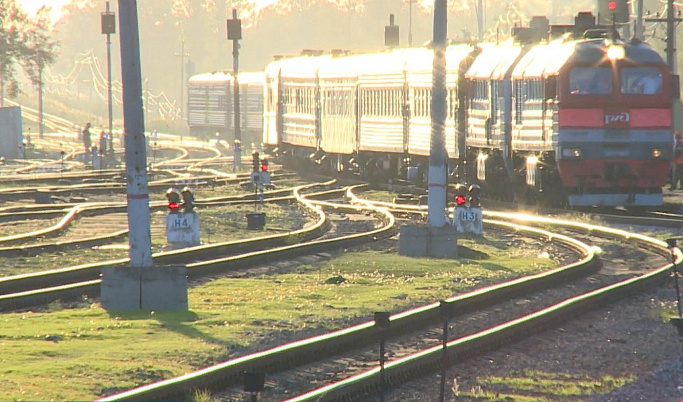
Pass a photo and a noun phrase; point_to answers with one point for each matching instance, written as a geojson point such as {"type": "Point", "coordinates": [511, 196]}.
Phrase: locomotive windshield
{"type": "Point", "coordinates": [641, 80]}
{"type": "Point", "coordinates": [590, 80]}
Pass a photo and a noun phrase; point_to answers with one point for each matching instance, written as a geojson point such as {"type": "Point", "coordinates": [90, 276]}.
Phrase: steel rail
{"type": "Point", "coordinates": [304, 351]}
{"type": "Point", "coordinates": [428, 360]}
{"type": "Point", "coordinates": [38, 280]}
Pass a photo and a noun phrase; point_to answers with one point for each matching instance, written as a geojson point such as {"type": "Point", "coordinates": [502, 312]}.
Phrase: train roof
{"type": "Point", "coordinates": [543, 60]}
{"type": "Point", "coordinates": [216, 77]}
{"type": "Point", "coordinates": [420, 64]}
{"type": "Point", "coordinates": [493, 61]}
{"type": "Point", "coordinates": [383, 68]}
{"type": "Point", "coordinates": [370, 68]}
{"type": "Point", "coordinates": [593, 51]}
{"type": "Point", "coordinates": [223, 77]}
{"type": "Point", "coordinates": [304, 67]}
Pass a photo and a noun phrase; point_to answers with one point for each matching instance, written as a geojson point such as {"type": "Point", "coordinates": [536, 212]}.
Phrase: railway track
{"type": "Point", "coordinates": [595, 291]}
{"type": "Point", "coordinates": [397, 209]}
{"type": "Point", "coordinates": [34, 289]}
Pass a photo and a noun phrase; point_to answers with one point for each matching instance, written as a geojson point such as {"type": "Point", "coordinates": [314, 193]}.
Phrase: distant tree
{"type": "Point", "coordinates": [12, 43]}
{"type": "Point", "coordinates": [38, 52]}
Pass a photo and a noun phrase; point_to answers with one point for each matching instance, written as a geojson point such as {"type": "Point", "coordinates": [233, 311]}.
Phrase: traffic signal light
{"type": "Point", "coordinates": [255, 161]}
{"type": "Point", "coordinates": [173, 197]}
{"type": "Point", "coordinates": [460, 194]}
{"type": "Point", "coordinates": [617, 10]}
{"type": "Point", "coordinates": [475, 195]}
{"type": "Point", "coordinates": [264, 165]}
{"type": "Point", "coordinates": [391, 33]}
{"type": "Point", "coordinates": [234, 28]}
{"type": "Point", "coordinates": [108, 22]}
{"type": "Point", "coordinates": [188, 200]}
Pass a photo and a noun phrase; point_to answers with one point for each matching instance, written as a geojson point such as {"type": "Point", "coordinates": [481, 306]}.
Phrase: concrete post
{"type": "Point", "coordinates": [436, 211]}
{"type": "Point", "coordinates": [134, 138]}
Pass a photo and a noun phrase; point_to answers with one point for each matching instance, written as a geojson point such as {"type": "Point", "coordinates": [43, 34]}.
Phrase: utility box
{"type": "Point", "coordinates": [182, 229]}
{"type": "Point", "coordinates": [11, 137]}
{"type": "Point", "coordinates": [256, 220]}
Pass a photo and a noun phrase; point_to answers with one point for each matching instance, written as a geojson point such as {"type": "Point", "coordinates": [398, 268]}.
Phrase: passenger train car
{"type": "Point", "coordinates": [210, 105]}
{"type": "Point", "coordinates": [558, 113]}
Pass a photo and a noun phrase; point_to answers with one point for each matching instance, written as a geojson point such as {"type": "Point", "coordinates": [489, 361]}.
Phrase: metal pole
{"type": "Point", "coordinates": [381, 368]}
{"type": "Point", "coordinates": [436, 202]}
{"type": "Point", "coordinates": [480, 19]}
{"type": "Point", "coordinates": [236, 86]}
{"type": "Point", "coordinates": [182, 77]}
{"type": "Point", "coordinates": [137, 189]}
{"type": "Point", "coordinates": [182, 55]}
{"type": "Point", "coordinates": [678, 289]}
{"type": "Point", "coordinates": [444, 361]}
{"type": "Point", "coordinates": [40, 95]}
{"type": "Point", "coordinates": [410, 25]}
{"type": "Point", "coordinates": [639, 31]}
{"type": "Point", "coordinates": [109, 96]}
{"type": "Point", "coordinates": [670, 36]}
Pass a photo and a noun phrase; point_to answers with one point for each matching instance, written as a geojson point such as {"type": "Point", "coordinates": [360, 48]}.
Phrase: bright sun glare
{"type": "Point", "coordinates": [32, 6]}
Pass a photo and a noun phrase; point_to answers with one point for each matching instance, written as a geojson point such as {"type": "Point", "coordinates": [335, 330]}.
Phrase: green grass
{"type": "Point", "coordinates": [536, 386]}
{"type": "Point", "coordinates": [84, 352]}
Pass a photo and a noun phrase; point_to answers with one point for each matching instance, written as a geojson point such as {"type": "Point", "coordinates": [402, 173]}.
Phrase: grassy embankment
{"type": "Point", "coordinates": [85, 352]}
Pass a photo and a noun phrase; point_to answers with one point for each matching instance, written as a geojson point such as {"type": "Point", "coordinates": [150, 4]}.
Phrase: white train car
{"type": "Point", "coordinates": [210, 105]}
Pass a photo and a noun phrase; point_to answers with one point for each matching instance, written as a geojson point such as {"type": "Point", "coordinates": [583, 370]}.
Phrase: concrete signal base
{"type": "Point", "coordinates": [428, 241]}
{"type": "Point", "coordinates": [151, 288]}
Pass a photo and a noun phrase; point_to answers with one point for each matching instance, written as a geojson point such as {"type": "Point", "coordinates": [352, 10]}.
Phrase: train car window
{"type": "Point", "coordinates": [419, 107]}
{"type": "Point", "coordinates": [535, 90]}
{"type": "Point", "coordinates": [590, 80]}
{"type": "Point", "coordinates": [519, 102]}
{"type": "Point", "coordinates": [383, 103]}
{"type": "Point", "coordinates": [641, 80]}
{"type": "Point", "coordinates": [494, 101]}
{"type": "Point", "coordinates": [370, 100]}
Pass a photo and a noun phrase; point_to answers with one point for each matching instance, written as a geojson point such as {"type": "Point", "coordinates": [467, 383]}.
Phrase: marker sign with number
{"type": "Point", "coordinates": [182, 229]}
{"type": "Point", "coordinates": [468, 220]}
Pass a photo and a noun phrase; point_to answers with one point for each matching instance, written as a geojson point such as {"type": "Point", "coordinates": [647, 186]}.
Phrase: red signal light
{"type": "Point", "coordinates": [612, 5]}
{"type": "Point", "coordinates": [264, 167]}
{"type": "Point", "coordinates": [460, 200]}
{"type": "Point", "coordinates": [173, 206]}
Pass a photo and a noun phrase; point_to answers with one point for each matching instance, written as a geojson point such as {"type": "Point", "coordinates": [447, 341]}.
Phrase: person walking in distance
{"type": "Point", "coordinates": [87, 143]}
{"type": "Point", "coordinates": [677, 179]}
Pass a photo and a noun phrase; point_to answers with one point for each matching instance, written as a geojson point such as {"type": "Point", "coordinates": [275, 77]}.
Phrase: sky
{"type": "Point", "coordinates": [31, 6]}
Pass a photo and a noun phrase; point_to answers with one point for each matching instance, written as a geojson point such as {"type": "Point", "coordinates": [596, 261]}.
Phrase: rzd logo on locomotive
{"type": "Point", "coordinates": [619, 118]}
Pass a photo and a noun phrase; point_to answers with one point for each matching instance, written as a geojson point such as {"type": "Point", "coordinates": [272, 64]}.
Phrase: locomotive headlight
{"type": "Point", "coordinates": [571, 152]}
{"type": "Point", "coordinates": [656, 152]}
{"type": "Point", "coordinates": [616, 52]}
